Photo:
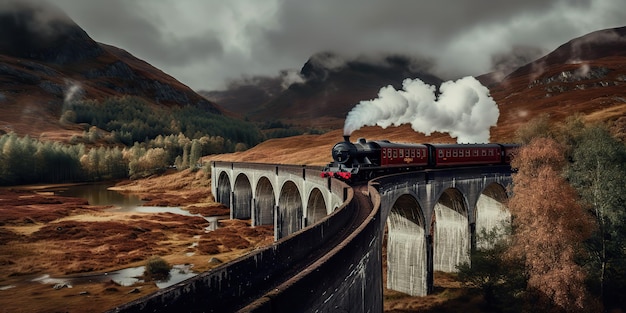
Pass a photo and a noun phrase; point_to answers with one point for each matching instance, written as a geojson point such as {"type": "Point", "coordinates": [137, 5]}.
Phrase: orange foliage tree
{"type": "Point", "coordinates": [549, 226]}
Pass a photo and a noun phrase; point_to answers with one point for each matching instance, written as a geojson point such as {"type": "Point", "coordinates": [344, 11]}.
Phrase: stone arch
{"type": "Point", "coordinates": [492, 215]}
{"type": "Point", "coordinates": [316, 207]}
{"type": "Point", "coordinates": [265, 202]}
{"type": "Point", "coordinates": [289, 210]}
{"type": "Point", "coordinates": [451, 232]}
{"type": "Point", "coordinates": [242, 198]}
{"type": "Point", "coordinates": [406, 247]}
{"type": "Point", "coordinates": [223, 189]}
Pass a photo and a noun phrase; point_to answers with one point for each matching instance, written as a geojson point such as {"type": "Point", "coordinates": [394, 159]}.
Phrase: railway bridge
{"type": "Point", "coordinates": [327, 256]}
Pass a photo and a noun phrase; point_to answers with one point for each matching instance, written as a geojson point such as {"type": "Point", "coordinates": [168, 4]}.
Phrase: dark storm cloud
{"type": "Point", "coordinates": [206, 42]}
{"type": "Point", "coordinates": [43, 15]}
{"type": "Point", "coordinates": [133, 26]}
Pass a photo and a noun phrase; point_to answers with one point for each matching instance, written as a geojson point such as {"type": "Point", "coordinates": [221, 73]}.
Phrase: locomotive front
{"type": "Point", "coordinates": [343, 151]}
{"type": "Point", "coordinates": [349, 159]}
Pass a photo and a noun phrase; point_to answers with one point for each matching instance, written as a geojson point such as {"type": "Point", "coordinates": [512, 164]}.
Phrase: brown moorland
{"type": "Point", "coordinates": [45, 235]}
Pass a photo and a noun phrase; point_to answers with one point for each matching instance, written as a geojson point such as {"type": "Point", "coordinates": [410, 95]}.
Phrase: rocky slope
{"type": "Point", "coordinates": [585, 75]}
{"type": "Point", "coordinates": [46, 59]}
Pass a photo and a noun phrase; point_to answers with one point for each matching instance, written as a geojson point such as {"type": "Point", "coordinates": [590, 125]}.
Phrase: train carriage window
{"type": "Point", "coordinates": [491, 152]}
{"type": "Point", "coordinates": [455, 153]}
{"type": "Point", "coordinates": [384, 153]}
{"type": "Point", "coordinates": [468, 153]}
{"type": "Point", "coordinates": [395, 153]}
{"type": "Point", "coordinates": [412, 153]}
{"type": "Point", "coordinates": [441, 153]}
{"type": "Point", "coordinates": [418, 154]}
{"type": "Point", "coordinates": [401, 153]}
{"type": "Point", "coordinates": [483, 152]}
{"type": "Point", "coordinates": [407, 153]}
{"type": "Point", "coordinates": [448, 153]}
{"type": "Point", "coordinates": [475, 152]}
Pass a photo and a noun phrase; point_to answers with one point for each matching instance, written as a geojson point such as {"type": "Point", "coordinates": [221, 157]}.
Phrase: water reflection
{"type": "Point", "coordinates": [124, 277]}
{"type": "Point", "coordinates": [99, 194]}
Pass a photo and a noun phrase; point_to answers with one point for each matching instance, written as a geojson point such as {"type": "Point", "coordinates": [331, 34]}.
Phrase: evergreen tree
{"type": "Point", "coordinates": [598, 172]}
{"type": "Point", "coordinates": [185, 157]}
{"type": "Point", "coordinates": [195, 153]}
{"type": "Point", "coordinates": [500, 279]}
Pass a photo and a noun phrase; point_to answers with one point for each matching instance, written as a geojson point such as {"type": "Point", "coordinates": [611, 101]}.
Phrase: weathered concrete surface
{"type": "Point", "coordinates": [348, 279]}
{"type": "Point", "coordinates": [432, 219]}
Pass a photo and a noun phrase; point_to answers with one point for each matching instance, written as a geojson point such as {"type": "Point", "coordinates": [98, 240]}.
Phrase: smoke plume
{"type": "Point", "coordinates": [73, 92]}
{"type": "Point", "coordinates": [464, 109]}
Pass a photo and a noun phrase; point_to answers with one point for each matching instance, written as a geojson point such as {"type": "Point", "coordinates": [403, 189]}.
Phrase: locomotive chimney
{"type": "Point", "coordinates": [346, 138]}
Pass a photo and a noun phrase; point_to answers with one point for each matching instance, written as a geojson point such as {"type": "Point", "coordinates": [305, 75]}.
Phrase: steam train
{"type": "Point", "coordinates": [364, 160]}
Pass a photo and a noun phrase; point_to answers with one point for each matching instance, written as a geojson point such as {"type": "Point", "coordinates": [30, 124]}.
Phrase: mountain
{"type": "Point", "coordinates": [329, 88]}
{"type": "Point", "coordinates": [585, 75]}
{"type": "Point", "coordinates": [45, 57]}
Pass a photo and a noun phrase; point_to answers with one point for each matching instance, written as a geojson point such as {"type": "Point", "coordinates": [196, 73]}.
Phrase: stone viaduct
{"type": "Point", "coordinates": [327, 256]}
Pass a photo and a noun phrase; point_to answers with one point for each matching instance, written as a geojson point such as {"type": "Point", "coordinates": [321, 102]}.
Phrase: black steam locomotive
{"type": "Point", "coordinates": [363, 159]}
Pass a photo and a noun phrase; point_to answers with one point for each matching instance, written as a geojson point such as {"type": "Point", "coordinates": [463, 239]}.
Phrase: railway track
{"type": "Point", "coordinates": [361, 207]}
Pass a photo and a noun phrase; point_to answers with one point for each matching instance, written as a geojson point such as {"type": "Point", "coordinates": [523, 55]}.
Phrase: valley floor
{"type": "Point", "coordinates": [44, 236]}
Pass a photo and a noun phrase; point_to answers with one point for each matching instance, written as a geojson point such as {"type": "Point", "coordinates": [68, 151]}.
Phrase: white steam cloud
{"type": "Point", "coordinates": [290, 77]}
{"type": "Point", "coordinates": [464, 109]}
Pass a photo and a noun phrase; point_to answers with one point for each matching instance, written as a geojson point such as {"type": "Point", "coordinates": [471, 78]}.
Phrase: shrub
{"type": "Point", "coordinates": [157, 268]}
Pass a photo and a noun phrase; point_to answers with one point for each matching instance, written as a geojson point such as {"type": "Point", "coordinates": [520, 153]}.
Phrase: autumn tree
{"type": "Point", "coordinates": [598, 172]}
{"type": "Point", "coordinates": [549, 226]}
{"type": "Point", "coordinates": [147, 162]}
{"type": "Point", "coordinates": [537, 127]}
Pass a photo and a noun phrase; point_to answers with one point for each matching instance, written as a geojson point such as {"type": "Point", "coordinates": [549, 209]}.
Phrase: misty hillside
{"type": "Point", "coordinates": [578, 76]}
{"type": "Point", "coordinates": [41, 71]}
{"type": "Point", "coordinates": [330, 86]}
{"type": "Point", "coordinates": [586, 75]}
{"type": "Point", "coordinates": [46, 60]}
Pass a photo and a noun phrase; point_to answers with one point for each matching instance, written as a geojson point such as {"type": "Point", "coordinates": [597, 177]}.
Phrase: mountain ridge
{"type": "Point", "coordinates": [330, 86]}
{"type": "Point", "coordinates": [44, 61]}
{"type": "Point", "coordinates": [593, 86]}
{"type": "Point", "coordinates": [586, 74]}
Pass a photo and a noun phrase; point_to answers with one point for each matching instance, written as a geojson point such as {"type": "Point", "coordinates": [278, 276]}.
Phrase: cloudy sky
{"type": "Point", "coordinates": [206, 43]}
